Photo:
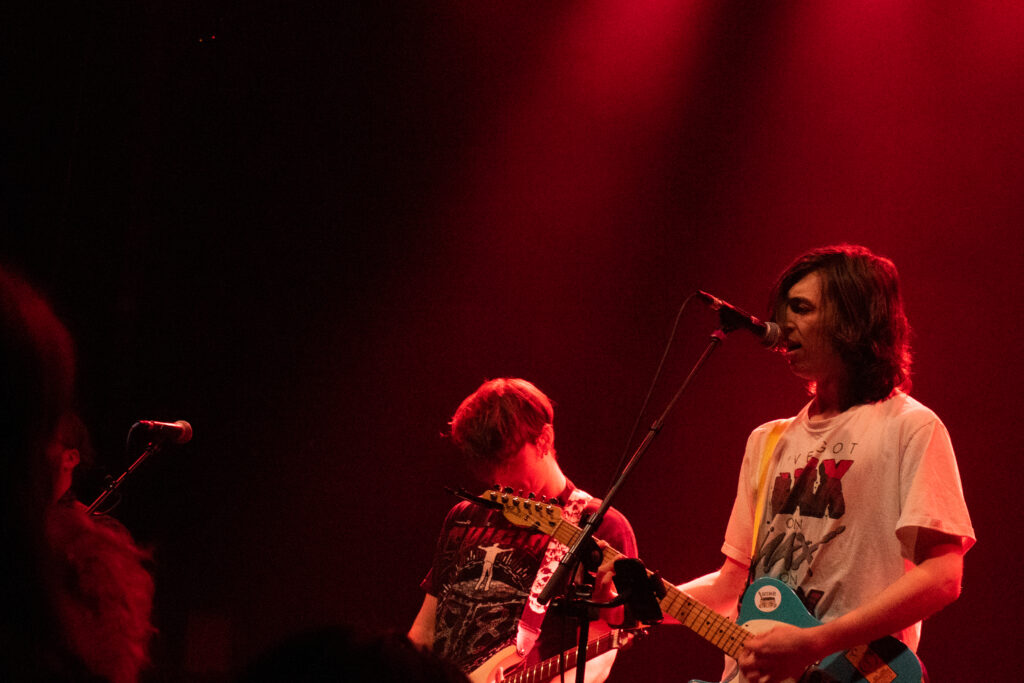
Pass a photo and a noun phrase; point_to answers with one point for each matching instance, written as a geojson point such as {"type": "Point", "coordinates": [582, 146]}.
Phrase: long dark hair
{"type": "Point", "coordinates": [864, 316]}
{"type": "Point", "coordinates": [37, 368]}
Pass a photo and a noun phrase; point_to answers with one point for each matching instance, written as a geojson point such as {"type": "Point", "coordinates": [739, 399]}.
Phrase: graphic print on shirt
{"type": "Point", "coordinates": [490, 553]}
{"type": "Point", "coordinates": [481, 597]}
{"type": "Point", "coordinates": [804, 504]}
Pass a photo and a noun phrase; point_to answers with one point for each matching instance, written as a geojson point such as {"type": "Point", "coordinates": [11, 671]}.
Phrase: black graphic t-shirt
{"type": "Point", "coordinates": [483, 569]}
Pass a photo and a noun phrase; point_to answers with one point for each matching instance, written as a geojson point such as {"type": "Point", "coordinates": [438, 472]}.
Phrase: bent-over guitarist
{"type": "Point", "coordinates": [480, 609]}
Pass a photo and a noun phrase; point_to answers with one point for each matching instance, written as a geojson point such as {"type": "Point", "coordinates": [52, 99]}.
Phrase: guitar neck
{"type": "Point", "coordinates": [718, 630]}
{"type": "Point", "coordinates": [549, 668]}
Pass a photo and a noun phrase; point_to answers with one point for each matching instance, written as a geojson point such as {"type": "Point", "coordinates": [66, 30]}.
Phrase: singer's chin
{"type": "Point", "coordinates": [796, 365]}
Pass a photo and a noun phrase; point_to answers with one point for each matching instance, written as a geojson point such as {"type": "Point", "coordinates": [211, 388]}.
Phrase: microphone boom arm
{"type": "Point", "coordinates": [114, 484]}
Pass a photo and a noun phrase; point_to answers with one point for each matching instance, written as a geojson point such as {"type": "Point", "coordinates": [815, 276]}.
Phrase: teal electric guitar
{"type": "Point", "coordinates": [769, 601]}
{"type": "Point", "coordinates": [766, 602]}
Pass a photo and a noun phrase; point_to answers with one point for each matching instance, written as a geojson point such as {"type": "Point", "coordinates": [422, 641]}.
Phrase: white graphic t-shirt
{"type": "Point", "coordinates": [845, 497]}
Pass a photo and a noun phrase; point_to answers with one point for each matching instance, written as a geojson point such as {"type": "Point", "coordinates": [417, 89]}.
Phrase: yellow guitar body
{"type": "Point", "coordinates": [505, 658]}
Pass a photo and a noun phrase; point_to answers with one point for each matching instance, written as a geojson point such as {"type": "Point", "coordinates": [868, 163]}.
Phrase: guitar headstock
{"type": "Point", "coordinates": [526, 511]}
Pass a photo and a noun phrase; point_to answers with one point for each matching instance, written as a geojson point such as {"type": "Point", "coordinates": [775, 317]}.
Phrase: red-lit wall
{"type": "Point", "coordinates": [314, 235]}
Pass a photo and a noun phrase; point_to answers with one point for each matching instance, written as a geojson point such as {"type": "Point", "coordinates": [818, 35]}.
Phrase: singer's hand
{"type": "Point", "coordinates": [780, 654]}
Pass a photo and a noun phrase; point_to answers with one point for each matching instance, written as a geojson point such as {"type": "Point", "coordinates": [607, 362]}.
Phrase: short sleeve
{"type": "Point", "coordinates": [617, 532]}
{"type": "Point", "coordinates": [739, 533]}
{"type": "Point", "coordinates": [931, 493]}
{"type": "Point", "coordinates": [429, 583]}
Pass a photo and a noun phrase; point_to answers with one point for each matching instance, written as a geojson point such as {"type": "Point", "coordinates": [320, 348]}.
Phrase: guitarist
{"type": "Point", "coordinates": [863, 513]}
{"type": "Point", "coordinates": [486, 568]}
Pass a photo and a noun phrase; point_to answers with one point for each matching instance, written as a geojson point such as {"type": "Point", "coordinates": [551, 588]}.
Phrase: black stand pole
{"type": "Point", "coordinates": [585, 617]}
{"type": "Point", "coordinates": [571, 558]}
{"type": "Point", "coordinates": [113, 485]}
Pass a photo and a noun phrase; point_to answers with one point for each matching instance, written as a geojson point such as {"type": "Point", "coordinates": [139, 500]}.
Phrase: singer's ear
{"type": "Point", "coordinates": [546, 439]}
{"type": "Point", "coordinates": [69, 458]}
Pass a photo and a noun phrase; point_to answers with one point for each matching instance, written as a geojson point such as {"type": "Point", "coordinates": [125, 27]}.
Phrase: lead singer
{"type": "Point", "coordinates": [480, 590]}
{"type": "Point", "coordinates": [863, 513]}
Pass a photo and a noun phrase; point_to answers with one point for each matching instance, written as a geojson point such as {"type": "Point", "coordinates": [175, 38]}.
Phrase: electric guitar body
{"type": "Point", "coordinates": [504, 659]}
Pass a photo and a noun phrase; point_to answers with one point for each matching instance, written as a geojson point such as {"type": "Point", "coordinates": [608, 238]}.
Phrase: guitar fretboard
{"type": "Point", "coordinates": [549, 668]}
{"type": "Point", "coordinates": [722, 632]}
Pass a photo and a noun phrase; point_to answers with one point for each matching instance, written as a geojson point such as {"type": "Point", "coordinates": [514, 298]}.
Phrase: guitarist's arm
{"type": "Point", "coordinates": [422, 631]}
{"type": "Point", "coordinates": [719, 590]}
{"type": "Point", "coordinates": [932, 583]}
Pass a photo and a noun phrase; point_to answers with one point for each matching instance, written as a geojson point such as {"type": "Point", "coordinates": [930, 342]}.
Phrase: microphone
{"type": "Point", "coordinates": [733, 318]}
{"type": "Point", "coordinates": [176, 432]}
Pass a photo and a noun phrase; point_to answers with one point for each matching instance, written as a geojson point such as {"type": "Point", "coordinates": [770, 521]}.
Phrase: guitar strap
{"type": "Point", "coordinates": [533, 612]}
{"type": "Point", "coordinates": [762, 488]}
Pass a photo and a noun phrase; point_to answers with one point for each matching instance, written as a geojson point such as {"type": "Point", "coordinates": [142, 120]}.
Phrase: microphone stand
{"type": "Point", "coordinates": [113, 484]}
{"type": "Point", "coordinates": [572, 558]}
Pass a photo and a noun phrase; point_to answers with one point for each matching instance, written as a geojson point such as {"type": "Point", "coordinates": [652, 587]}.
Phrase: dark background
{"type": "Point", "coordinates": [311, 229]}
